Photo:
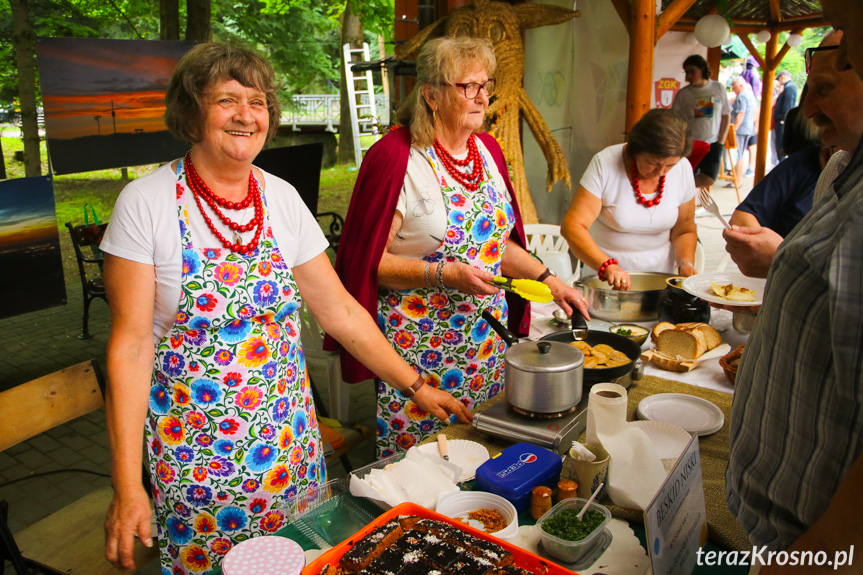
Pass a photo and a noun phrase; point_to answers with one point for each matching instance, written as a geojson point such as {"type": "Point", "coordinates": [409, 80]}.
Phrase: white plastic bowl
{"type": "Point", "coordinates": [458, 505]}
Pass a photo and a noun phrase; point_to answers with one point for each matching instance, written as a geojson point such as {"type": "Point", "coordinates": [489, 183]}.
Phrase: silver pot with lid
{"type": "Point", "coordinates": [541, 377]}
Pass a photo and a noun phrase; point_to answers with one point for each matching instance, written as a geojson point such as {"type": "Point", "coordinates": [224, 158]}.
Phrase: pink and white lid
{"type": "Point", "coordinates": [268, 555]}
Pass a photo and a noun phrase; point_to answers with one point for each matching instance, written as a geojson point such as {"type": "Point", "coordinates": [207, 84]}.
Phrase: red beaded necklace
{"type": "Point", "coordinates": [639, 197]}
{"type": "Point", "coordinates": [470, 181]}
{"type": "Point", "coordinates": [201, 190]}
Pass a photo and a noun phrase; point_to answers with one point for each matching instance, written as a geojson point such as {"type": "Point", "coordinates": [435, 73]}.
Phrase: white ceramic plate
{"type": "Point", "coordinates": [691, 413]}
{"type": "Point", "coordinates": [669, 440]}
{"type": "Point", "coordinates": [468, 455]}
{"type": "Point", "coordinates": [699, 286]}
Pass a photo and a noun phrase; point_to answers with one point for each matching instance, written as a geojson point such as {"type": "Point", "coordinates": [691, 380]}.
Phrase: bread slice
{"type": "Point", "coordinates": [680, 342]}
{"type": "Point", "coordinates": [659, 328]}
{"type": "Point", "coordinates": [714, 339]}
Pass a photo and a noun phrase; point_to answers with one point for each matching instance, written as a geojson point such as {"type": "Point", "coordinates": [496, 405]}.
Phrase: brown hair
{"type": "Point", "coordinates": [662, 133]}
{"type": "Point", "coordinates": [205, 65]}
{"type": "Point", "coordinates": [439, 63]}
{"type": "Point", "coordinates": [699, 62]}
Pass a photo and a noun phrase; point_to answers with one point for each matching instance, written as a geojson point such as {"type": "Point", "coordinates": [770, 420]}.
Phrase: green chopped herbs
{"type": "Point", "coordinates": [622, 331]}
{"type": "Point", "coordinates": [565, 525]}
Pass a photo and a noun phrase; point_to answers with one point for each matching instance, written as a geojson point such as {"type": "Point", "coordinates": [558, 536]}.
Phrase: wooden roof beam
{"type": "Point", "coordinates": [786, 26]}
{"type": "Point", "coordinates": [623, 10]}
{"type": "Point", "coordinates": [775, 14]}
{"type": "Point", "coordinates": [752, 49]}
{"type": "Point", "coordinates": [671, 15]}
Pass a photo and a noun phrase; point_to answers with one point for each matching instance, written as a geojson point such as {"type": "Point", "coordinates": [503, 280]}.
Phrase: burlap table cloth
{"type": "Point", "coordinates": [724, 529]}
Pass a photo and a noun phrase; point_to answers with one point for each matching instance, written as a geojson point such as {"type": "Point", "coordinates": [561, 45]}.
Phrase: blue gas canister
{"type": "Point", "coordinates": [517, 470]}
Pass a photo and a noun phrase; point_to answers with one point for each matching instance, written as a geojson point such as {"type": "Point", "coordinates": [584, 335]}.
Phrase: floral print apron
{"type": "Point", "coordinates": [231, 428]}
{"type": "Point", "coordinates": [440, 330]}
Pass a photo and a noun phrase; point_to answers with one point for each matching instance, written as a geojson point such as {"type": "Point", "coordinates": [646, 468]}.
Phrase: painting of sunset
{"type": "Point", "coordinates": [104, 101]}
{"type": "Point", "coordinates": [29, 247]}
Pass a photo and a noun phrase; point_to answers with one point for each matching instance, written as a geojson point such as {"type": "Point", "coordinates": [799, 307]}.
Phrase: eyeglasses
{"type": "Point", "coordinates": [807, 55]}
{"type": "Point", "coordinates": [471, 89]}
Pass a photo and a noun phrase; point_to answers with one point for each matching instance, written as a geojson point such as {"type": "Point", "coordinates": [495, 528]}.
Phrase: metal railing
{"type": "Point", "coordinates": [324, 110]}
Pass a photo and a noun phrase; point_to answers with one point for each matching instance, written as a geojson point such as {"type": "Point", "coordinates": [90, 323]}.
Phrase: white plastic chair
{"type": "Point", "coordinates": [312, 337]}
{"type": "Point", "coordinates": [545, 241]}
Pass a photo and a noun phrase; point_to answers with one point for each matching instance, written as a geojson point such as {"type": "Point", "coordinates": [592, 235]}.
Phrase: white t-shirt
{"type": "Point", "coordinates": [422, 204]}
{"type": "Point", "coordinates": [703, 108]}
{"type": "Point", "coordinates": [624, 229]}
{"type": "Point", "coordinates": [144, 228]}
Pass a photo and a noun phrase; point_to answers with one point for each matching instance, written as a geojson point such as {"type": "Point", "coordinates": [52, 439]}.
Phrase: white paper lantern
{"type": "Point", "coordinates": [712, 30]}
{"type": "Point", "coordinates": [727, 40]}
{"type": "Point", "coordinates": [690, 39]}
{"type": "Point", "coordinates": [763, 36]}
{"type": "Point", "coordinates": [794, 40]}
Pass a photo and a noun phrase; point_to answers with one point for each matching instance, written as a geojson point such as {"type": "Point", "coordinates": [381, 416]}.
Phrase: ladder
{"type": "Point", "coordinates": [361, 96]}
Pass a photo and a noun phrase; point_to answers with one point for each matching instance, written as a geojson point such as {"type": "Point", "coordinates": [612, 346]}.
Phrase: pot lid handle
{"type": "Point", "coordinates": [544, 347]}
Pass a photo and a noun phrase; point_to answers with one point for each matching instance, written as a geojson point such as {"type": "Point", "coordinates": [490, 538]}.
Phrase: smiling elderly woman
{"type": "Point", "coordinates": [634, 208]}
{"type": "Point", "coordinates": [433, 218]}
{"type": "Point", "coordinates": [209, 260]}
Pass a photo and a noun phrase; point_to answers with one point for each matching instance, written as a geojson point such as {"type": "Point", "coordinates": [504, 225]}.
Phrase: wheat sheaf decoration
{"type": "Point", "coordinates": [503, 23]}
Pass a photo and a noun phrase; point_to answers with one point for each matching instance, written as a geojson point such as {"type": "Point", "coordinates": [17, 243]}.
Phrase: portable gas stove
{"type": "Point", "coordinates": [553, 431]}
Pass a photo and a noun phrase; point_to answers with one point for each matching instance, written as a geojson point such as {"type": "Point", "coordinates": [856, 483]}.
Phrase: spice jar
{"type": "Point", "coordinates": [566, 488]}
{"type": "Point", "coordinates": [540, 501]}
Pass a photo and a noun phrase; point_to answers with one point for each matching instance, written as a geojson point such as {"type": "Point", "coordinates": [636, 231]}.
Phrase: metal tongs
{"type": "Point", "coordinates": [528, 289]}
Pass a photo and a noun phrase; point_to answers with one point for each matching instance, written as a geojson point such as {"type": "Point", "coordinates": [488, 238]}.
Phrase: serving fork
{"type": "Point", "coordinates": [708, 204]}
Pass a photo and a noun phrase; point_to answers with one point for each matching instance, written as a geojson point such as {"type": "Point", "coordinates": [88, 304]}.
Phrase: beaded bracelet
{"type": "Point", "coordinates": [427, 274]}
{"type": "Point", "coordinates": [439, 274]}
{"type": "Point", "coordinates": [604, 266]}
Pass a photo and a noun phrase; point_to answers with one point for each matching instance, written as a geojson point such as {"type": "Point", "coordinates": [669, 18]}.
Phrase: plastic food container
{"type": "Point", "coordinates": [570, 551]}
{"type": "Point", "coordinates": [517, 470]}
{"type": "Point", "coordinates": [458, 505]}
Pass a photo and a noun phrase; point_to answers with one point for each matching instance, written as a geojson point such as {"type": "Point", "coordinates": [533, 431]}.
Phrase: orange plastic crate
{"type": "Point", "coordinates": [524, 559]}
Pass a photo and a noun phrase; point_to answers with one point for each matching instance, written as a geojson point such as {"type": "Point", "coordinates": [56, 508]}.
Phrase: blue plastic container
{"type": "Point", "coordinates": [517, 470]}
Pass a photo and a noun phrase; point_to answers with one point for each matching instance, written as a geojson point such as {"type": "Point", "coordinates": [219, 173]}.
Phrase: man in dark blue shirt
{"type": "Point", "coordinates": [786, 100]}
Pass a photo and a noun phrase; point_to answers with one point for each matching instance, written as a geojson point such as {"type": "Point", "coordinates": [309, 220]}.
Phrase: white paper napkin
{"type": "Point", "coordinates": [635, 471]}
{"type": "Point", "coordinates": [418, 478]}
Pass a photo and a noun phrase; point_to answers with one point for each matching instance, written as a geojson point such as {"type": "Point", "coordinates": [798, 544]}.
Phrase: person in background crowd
{"type": "Point", "coordinates": [796, 432]}
{"type": "Point", "coordinates": [786, 100]}
{"type": "Point", "coordinates": [753, 77]}
{"type": "Point", "coordinates": [743, 114]}
{"type": "Point", "coordinates": [443, 222]}
{"type": "Point", "coordinates": [704, 105]}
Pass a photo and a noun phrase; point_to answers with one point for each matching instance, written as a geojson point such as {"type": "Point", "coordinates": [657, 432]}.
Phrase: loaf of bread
{"type": "Point", "coordinates": [659, 328]}
{"type": "Point", "coordinates": [688, 340]}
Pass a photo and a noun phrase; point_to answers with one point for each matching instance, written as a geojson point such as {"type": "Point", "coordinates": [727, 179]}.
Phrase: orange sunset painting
{"type": "Point", "coordinates": [104, 101]}
{"type": "Point", "coordinates": [29, 247]}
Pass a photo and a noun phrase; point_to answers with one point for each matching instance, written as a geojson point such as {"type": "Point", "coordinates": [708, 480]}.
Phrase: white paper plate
{"type": "Point", "coordinates": [468, 455]}
{"type": "Point", "coordinates": [699, 286]}
{"type": "Point", "coordinates": [669, 440]}
{"type": "Point", "coordinates": [691, 413]}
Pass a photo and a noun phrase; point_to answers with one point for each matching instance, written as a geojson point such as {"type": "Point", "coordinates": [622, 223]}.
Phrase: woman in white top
{"type": "Point", "coordinates": [634, 209]}
{"type": "Point", "coordinates": [208, 263]}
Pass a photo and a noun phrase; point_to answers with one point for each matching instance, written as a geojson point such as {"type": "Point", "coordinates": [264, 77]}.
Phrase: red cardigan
{"type": "Point", "coordinates": [367, 228]}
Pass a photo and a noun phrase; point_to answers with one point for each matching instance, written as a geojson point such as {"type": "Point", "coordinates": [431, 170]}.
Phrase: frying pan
{"type": "Point", "coordinates": [618, 342]}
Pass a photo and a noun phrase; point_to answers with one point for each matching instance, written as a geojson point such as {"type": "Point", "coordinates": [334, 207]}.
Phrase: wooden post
{"type": "Point", "coordinates": [768, 75]}
{"type": "Point", "coordinates": [642, 26]}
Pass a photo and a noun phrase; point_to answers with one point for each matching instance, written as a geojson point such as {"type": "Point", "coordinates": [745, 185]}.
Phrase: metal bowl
{"type": "Point", "coordinates": [640, 303]}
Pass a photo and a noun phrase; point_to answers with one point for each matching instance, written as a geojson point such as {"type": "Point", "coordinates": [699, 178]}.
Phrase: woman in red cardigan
{"type": "Point", "coordinates": [433, 218]}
